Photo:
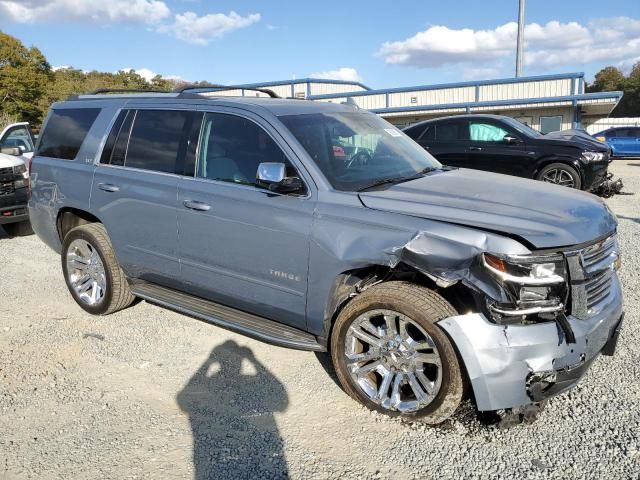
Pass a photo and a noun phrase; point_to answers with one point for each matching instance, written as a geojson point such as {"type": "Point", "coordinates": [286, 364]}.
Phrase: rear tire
{"type": "Point", "coordinates": [91, 271]}
{"type": "Point", "coordinates": [429, 389]}
{"type": "Point", "coordinates": [560, 174]}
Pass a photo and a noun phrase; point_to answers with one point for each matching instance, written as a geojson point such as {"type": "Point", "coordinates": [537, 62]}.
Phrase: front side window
{"type": "Point", "coordinates": [232, 147]}
{"type": "Point", "coordinates": [65, 131]}
{"type": "Point", "coordinates": [356, 149]}
{"type": "Point", "coordinates": [486, 132]}
{"type": "Point", "coordinates": [18, 137]}
{"type": "Point", "coordinates": [154, 143]}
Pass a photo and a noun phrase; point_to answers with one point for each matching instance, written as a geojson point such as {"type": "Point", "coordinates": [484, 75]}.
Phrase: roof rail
{"type": "Point", "coordinates": [123, 90]}
{"type": "Point", "coordinates": [222, 88]}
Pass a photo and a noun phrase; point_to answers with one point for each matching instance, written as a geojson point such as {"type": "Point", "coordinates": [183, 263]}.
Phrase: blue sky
{"type": "Point", "coordinates": [383, 44]}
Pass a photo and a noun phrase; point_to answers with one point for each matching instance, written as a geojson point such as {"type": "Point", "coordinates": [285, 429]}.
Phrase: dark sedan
{"type": "Point", "coordinates": [502, 144]}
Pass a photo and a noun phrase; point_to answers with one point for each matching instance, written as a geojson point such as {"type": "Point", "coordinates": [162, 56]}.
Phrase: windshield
{"type": "Point", "coordinates": [522, 128]}
{"type": "Point", "coordinates": [357, 149]}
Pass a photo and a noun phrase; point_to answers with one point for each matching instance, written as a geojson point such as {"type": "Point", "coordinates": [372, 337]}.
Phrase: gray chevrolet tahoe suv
{"type": "Point", "coordinates": [248, 213]}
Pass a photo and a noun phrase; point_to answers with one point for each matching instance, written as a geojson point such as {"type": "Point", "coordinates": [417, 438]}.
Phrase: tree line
{"type": "Point", "coordinates": [612, 79]}
{"type": "Point", "coordinates": [28, 84]}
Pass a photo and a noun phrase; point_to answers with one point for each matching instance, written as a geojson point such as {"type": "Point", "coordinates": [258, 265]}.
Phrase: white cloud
{"type": "Point", "coordinates": [626, 65]}
{"type": "Point", "coordinates": [149, 74]}
{"type": "Point", "coordinates": [344, 73]}
{"type": "Point", "coordinates": [111, 11]}
{"type": "Point", "coordinates": [549, 45]}
{"type": "Point", "coordinates": [201, 30]}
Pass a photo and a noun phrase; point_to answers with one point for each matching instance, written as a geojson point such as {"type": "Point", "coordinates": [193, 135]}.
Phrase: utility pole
{"type": "Point", "coordinates": [520, 45]}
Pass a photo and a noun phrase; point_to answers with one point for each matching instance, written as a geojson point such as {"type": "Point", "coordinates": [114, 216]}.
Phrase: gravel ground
{"type": "Point", "coordinates": [88, 397]}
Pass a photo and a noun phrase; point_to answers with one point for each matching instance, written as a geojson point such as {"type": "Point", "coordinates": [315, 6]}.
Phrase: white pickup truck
{"type": "Point", "coordinates": [16, 151]}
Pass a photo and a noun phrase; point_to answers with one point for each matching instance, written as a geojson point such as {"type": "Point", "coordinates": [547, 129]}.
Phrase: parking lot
{"type": "Point", "coordinates": [113, 397]}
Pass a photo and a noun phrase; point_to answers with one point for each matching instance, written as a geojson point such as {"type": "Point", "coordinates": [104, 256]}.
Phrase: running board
{"type": "Point", "coordinates": [238, 321]}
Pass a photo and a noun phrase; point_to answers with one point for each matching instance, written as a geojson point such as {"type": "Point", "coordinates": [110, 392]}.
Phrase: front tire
{"type": "Point", "coordinates": [561, 174]}
{"type": "Point", "coordinates": [389, 354]}
{"type": "Point", "coordinates": [91, 271]}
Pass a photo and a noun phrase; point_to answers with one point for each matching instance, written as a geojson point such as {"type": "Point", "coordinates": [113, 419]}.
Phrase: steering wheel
{"type": "Point", "coordinates": [359, 159]}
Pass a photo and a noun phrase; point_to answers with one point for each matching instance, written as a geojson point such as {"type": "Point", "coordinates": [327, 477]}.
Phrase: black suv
{"type": "Point", "coordinates": [496, 143]}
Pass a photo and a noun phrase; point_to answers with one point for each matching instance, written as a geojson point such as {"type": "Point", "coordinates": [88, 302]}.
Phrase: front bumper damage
{"type": "Point", "coordinates": [511, 366]}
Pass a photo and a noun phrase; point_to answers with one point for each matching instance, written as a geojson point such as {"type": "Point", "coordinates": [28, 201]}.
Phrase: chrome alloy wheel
{"type": "Point", "coordinates": [559, 177]}
{"type": "Point", "coordinates": [394, 362]}
{"type": "Point", "coordinates": [85, 272]}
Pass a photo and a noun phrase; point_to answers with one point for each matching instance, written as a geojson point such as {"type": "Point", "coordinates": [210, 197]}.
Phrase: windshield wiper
{"type": "Point", "coordinates": [397, 179]}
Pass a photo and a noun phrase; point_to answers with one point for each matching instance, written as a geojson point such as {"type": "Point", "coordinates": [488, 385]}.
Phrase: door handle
{"type": "Point", "coordinates": [107, 187]}
{"type": "Point", "coordinates": [195, 205]}
{"type": "Point", "coordinates": [475, 149]}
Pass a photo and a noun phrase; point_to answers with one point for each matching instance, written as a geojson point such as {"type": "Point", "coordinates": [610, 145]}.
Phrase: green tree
{"type": "Point", "coordinates": [24, 76]}
{"type": "Point", "coordinates": [612, 79]}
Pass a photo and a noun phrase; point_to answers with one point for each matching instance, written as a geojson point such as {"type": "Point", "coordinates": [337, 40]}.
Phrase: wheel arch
{"type": "Point", "coordinates": [69, 218]}
{"type": "Point", "coordinates": [572, 162]}
{"type": "Point", "coordinates": [350, 283]}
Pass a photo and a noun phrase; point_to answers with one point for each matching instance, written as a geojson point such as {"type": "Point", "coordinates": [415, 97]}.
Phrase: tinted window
{"type": "Point", "coordinates": [416, 131]}
{"type": "Point", "coordinates": [232, 148]}
{"type": "Point", "coordinates": [446, 132]}
{"type": "Point", "coordinates": [486, 132]}
{"type": "Point", "coordinates": [65, 131]}
{"type": "Point", "coordinates": [634, 132]}
{"type": "Point", "coordinates": [621, 132]}
{"type": "Point", "coordinates": [111, 139]}
{"type": "Point", "coordinates": [155, 140]}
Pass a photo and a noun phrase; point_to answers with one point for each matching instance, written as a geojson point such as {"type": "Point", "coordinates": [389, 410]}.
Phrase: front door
{"type": "Point", "coordinates": [488, 150]}
{"type": "Point", "coordinates": [135, 190]}
{"type": "Point", "coordinates": [242, 245]}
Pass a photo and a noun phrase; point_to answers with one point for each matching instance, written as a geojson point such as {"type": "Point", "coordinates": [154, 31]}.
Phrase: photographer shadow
{"type": "Point", "coordinates": [230, 402]}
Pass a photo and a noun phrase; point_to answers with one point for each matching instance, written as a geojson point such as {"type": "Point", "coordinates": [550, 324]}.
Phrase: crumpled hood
{"type": "Point", "coordinates": [544, 215]}
{"type": "Point", "coordinates": [574, 138]}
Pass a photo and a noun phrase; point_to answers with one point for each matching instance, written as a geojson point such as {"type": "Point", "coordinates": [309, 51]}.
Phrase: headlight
{"type": "Point", "coordinates": [21, 176]}
{"type": "Point", "coordinates": [533, 284]}
{"type": "Point", "coordinates": [592, 156]}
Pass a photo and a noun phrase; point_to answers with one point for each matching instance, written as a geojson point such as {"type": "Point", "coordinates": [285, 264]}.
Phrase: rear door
{"type": "Point", "coordinates": [622, 141]}
{"type": "Point", "coordinates": [242, 245]}
{"type": "Point", "coordinates": [447, 141]}
{"type": "Point", "coordinates": [135, 190]}
{"type": "Point", "coordinates": [488, 150]}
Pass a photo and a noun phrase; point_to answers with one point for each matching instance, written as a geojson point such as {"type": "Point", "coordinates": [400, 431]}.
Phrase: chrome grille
{"type": "Point", "coordinates": [592, 270]}
{"type": "Point", "coordinates": [7, 185]}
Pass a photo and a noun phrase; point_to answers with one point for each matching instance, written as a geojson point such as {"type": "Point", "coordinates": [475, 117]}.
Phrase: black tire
{"type": "Point", "coordinates": [565, 169]}
{"type": "Point", "coordinates": [117, 293]}
{"type": "Point", "coordinates": [18, 229]}
{"type": "Point", "coordinates": [424, 307]}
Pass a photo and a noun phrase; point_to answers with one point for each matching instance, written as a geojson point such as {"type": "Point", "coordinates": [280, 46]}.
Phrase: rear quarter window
{"type": "Point", "coordinates": [65, 131]}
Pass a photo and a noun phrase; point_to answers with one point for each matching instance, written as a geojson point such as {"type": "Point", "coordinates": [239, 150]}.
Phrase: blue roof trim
{"type": "Point", "coordinates": [278, 83]}
{"type": "Point", "coordinates": [497, 103]}
{"type": "Point", "coordinates": [478, 83]}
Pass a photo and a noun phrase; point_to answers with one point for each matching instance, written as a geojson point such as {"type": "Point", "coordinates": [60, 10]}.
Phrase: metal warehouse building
{"type": "Point", "coordinates": [546, 103]}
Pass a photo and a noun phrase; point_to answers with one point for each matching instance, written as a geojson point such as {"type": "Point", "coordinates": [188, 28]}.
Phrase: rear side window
{"type": "Point", "coordinates": [416, 131]}
{"type": "Point", "coordinates": [447, 132]}
{"type": "Point", "coordinates": [65, 132]}
{"type": "Point", "coordinates": [155, 140]}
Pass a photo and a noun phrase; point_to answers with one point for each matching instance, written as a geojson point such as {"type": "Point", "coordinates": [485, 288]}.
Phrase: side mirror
{"type": "Point", "coordinates": [510, 139]}
{"type": "Point", "coordinates": [11, 151]}
{"type": "Point", "coordinates": [271, 176]}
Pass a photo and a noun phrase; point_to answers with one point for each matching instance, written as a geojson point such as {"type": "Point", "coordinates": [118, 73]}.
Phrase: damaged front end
{"type": "Point", "coordinates": [531, 342]}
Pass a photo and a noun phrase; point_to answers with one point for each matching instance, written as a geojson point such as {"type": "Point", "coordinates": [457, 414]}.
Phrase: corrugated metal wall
{"type": "Point", "coordinates": [595, 125]}
{"type": "Point", "coordinates": [536, 89]}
